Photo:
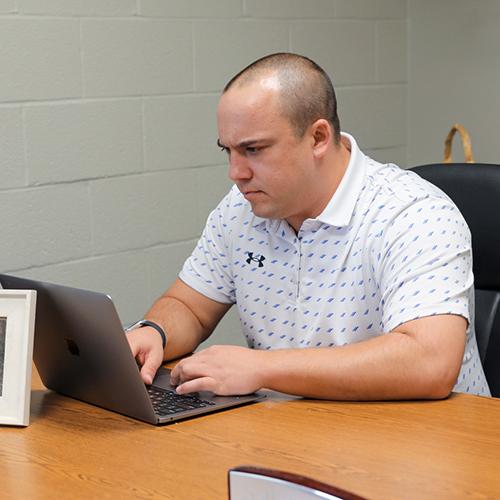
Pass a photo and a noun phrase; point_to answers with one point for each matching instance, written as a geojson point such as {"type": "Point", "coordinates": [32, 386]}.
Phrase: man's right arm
{"type": "Point", "coordinates": [188, 318]}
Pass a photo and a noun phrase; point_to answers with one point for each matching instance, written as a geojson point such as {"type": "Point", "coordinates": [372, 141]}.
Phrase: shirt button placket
{"type": "Point", "coordinates": [298, 274]}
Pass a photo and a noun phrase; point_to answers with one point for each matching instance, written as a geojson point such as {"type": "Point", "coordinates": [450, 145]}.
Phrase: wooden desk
{"type": "Point", "coordinates": [443, 449]}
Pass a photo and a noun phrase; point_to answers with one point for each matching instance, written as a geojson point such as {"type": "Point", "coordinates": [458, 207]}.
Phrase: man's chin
{"type": "Point", "coordinates": [262, 206]}
{"type": "Point", "coordinates": [262, 211]}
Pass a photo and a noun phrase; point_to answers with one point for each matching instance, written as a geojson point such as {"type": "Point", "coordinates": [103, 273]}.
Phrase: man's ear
{"type": "Point", "coordinates": [321, 133]}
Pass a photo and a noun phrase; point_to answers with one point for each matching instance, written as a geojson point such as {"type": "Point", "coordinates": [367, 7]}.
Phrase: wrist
{"type": "Point", "coordinates": [263, 368]}
{"type": "Point", "coordinates": [153, 326]}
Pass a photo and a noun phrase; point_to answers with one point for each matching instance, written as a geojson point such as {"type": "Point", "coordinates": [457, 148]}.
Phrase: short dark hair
{"type": "Point", "coordinates": [306, 93]}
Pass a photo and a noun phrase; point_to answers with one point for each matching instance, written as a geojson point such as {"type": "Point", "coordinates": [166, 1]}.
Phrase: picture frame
{"type": "Point", "coordinates": [17, 324]}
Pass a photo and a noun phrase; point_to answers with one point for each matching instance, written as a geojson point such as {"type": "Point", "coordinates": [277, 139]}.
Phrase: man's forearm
{"type": "Point", "coordinates": [392, 366]}
{"type": "Point", "coordinates": [184, 331]}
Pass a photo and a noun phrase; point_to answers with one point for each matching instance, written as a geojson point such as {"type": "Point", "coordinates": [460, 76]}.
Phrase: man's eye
{"type": "Point", "coordinates": [224, 149]}
{"type": "Point", "coordinates": [251, 150]}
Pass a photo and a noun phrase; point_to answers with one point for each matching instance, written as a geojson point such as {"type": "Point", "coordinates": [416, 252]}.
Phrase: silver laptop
{"type": "Point", "coordinates": [80, 350]}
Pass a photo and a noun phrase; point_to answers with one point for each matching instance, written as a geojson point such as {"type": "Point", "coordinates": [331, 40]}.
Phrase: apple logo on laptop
{"type": "Point", "coordinates": [72, 346]}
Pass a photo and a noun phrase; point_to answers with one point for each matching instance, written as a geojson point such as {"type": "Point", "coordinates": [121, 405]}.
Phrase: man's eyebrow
{"type": "Point", "coordinates": [249, 143]}
{"type": "Point", "coordinates": [242, 144]}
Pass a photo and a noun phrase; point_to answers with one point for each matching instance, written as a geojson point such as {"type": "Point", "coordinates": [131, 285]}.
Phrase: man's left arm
{"type": "Point", "coordinates": [420, 359]}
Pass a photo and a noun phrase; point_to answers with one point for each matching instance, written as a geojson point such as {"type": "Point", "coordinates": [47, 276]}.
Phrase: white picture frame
{"type": "Point", "coordinates": [17, 323]}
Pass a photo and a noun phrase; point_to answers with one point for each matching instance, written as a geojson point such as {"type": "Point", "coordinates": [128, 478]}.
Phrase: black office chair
{"type": "Point", "coordinates": [256, 483]}
{"type": "Point", "coordinates": [475, 189]}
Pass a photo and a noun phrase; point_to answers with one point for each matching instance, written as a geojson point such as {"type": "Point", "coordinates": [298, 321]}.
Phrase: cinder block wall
{"type": "Point", "coordinates": [107, 123]}
{"type": "Point", "coordinates": [459, 83]}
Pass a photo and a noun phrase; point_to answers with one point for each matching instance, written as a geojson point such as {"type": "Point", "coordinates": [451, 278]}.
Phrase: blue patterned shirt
{"type": "Point", "coordinates": [388, 248]}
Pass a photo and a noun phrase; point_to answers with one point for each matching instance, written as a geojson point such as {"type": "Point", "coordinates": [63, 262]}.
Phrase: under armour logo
{"type": "Point", "coordinates": [258, 258]}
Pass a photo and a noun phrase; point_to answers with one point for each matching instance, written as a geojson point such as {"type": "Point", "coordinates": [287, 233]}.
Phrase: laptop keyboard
{"type": "Point", "coordinates": [167, 402]}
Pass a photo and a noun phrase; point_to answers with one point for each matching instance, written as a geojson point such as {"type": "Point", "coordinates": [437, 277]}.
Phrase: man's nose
{"type": "Point", "coordinates": [239, 169]}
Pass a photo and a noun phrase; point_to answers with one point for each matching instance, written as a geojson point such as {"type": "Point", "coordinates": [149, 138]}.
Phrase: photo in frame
{"type": "Point", "coordinates": [17, 323]}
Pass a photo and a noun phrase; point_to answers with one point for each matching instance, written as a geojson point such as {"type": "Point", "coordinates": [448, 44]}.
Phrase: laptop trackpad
{"type": "Point", "coordinates": [162, 379]}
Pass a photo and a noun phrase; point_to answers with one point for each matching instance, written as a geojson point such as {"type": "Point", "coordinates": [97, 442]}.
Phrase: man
{"type": "Point", "coordinates": [352, 279]}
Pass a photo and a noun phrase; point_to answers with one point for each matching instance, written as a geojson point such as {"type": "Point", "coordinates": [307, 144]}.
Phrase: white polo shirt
{"type": "Point", "coordinates": [388, 248]}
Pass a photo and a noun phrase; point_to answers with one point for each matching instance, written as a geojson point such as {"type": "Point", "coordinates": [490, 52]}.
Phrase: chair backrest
{"type": "Point", "coordinates": [257, 483]}
{"type": "Point", "coordinates": [475, 189]}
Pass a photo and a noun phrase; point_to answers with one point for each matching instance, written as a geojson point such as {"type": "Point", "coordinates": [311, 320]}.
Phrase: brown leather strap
{"type": "Point", "coordinates": [464, 135]}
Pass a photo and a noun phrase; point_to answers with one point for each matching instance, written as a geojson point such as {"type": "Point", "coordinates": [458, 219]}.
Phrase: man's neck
{"type": "Point", "coordinates": [331, 173]}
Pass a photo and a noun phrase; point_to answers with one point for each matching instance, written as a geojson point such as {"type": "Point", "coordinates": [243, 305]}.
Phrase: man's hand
{"type": "Point", "coordinates": [146, 346]}
{"type": "Point", "coordinates": [224, 370]}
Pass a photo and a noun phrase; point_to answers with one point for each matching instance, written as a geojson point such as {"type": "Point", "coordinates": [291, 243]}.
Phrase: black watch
{"type": "Point", "coordinates": [156, 326]}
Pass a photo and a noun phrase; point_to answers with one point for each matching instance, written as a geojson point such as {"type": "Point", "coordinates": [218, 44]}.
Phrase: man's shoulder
{"type": "Point", "coordinates": [402, 186]}
{"type": "Point", "coordinates": [398, 201]}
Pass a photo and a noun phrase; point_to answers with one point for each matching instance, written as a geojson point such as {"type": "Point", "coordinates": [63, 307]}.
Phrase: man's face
{"type": "Point", "coordinates": [272, 167]}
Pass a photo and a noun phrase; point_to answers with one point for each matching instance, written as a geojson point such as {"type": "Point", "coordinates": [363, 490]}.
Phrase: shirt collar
{"type": "Point", "coordinates": [340, 208]}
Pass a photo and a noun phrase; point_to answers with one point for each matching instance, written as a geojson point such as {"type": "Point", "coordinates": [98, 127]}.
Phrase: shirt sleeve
{"type": "Point", "coordinates": [425, 263]}
{"type": "Point", "coordinates": [208, 268]}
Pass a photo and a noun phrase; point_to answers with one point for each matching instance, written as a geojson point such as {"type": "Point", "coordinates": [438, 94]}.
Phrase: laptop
{"type": "Point", "coordinates": [80, 350]}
